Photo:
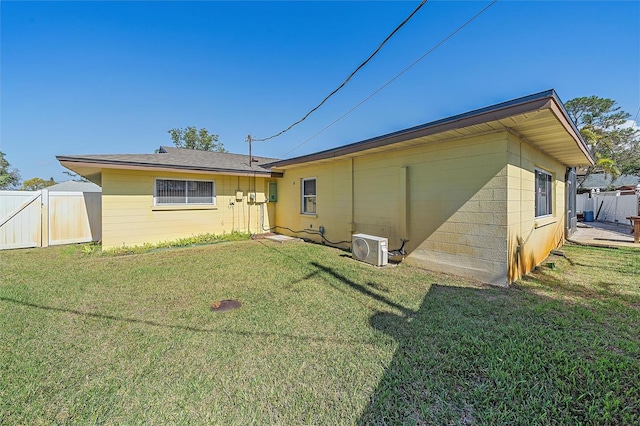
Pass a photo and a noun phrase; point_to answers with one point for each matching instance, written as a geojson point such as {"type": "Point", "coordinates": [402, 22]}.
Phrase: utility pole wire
{"type": "Point", "coordinates": [444, 40]}
{"type": "Point", "coordinates": [422, 3]}
{"type": "Point", "coordinates": [249, 139]}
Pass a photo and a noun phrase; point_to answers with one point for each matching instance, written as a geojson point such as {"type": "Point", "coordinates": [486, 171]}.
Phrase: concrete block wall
{"type": "Point", "coordinates": [531, 239]}
{"type": "Point", "coordinates": [454, 195]}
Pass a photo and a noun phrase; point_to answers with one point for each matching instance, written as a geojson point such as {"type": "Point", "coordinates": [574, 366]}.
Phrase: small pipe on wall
{"type": "Point", "coordinates": [404, 200]}
{"type": "Point", "coordinates": [353, 225]}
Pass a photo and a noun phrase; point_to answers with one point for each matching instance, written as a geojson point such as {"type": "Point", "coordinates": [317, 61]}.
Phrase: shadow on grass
{"type": "Point", "coordinates": [331, 277]}
{"type": "Point", "coordinates": [99, 316]}
{"type": "Point", "coordinates": [358, 287]}
{"type": "Point", "coordinates": [422, 383]}
{"type": "Point", "coordinates": [496, 356]}
{"type": "Point", "coordinates": [410, 391]}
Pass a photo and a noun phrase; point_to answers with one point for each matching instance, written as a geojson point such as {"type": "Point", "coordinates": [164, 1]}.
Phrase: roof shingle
{"type": "Point", "coordinates": [180, 159]}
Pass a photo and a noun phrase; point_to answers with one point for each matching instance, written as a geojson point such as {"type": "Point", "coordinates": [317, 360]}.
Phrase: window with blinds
{"type": "Point", "coordinates": [177, 192]}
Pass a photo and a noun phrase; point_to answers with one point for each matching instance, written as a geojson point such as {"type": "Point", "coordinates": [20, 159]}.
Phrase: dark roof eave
{"type": "Point", "coordinates": [491, 113]}
{"type": "Point", "coordinates": [85, 160]}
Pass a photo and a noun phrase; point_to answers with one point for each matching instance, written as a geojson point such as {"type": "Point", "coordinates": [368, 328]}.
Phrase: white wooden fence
{"type": "Point", "coordinates": [609, 206]}
{"type": "Point", "coordinates": [43, 218]}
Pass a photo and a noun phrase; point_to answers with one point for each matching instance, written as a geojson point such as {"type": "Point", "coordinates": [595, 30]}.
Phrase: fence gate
{"type": "Point", "coordinates": [42, 218]}
{"type": "Point", "coordinates": [20, 219]}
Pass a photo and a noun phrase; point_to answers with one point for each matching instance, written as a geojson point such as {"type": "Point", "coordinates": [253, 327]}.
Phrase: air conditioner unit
{"type": "Point", "coordinates": [370, 249]}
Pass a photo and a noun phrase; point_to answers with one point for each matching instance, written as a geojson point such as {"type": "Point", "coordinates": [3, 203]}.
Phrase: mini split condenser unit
{"type": "Point", "coordinates": [370, 249]}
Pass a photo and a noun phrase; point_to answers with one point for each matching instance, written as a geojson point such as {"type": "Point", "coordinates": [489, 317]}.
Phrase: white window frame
{"type": "Point", "coordinates": [303, 197]}
{"type": "Point", "coordinates": [548, 198]}
{"type": "Point", "coordinates": [186, 199]}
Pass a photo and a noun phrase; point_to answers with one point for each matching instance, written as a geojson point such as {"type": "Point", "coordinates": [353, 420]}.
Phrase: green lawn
{"type": "Point", "coordinates": [319, 339]}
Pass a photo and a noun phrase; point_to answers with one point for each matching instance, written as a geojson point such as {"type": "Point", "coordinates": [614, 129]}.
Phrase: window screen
{"type": "Point", "coordinates": [171, 191]}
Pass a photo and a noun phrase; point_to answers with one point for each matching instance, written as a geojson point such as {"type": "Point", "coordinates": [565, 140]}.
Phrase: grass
{"type": "Point", "coordinates": [195, 240]}
{"type": "Point", "coordinates": [319, 339]}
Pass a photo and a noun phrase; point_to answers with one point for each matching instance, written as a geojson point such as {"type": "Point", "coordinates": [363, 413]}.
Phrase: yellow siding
{"type": "Point", "coordinates": [467, 206]}
{"type": "Point", "coordinates": [333, 201]}
{"type": "Point", "coordinates": [130, 218]}
{"type": "Point", "coordinates": [456, 195]}
{"type": "Point", "coordinates": [459, 193]}
{"type": "Point", "coordinates": [531, 239]}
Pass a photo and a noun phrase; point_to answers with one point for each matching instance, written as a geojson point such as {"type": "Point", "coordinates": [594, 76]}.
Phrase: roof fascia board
{"type": "Point", "coordinates": [480, 116]}
{"type": "Point", "coordinates": [528, 104]}
{"type": "Point", "coordinates": [69, 162]}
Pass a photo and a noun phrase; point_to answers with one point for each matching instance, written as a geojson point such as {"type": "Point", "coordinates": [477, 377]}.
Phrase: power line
{"type": "Point", "coordinates": [422, 3]}
{"type": "Point", "coordinates": [444, 40]}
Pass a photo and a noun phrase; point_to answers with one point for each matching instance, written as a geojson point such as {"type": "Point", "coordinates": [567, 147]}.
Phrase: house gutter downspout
{"type": "Point", "coordinates": [353, 225]}
{"type": "Point", "coordinates": [404, 203]}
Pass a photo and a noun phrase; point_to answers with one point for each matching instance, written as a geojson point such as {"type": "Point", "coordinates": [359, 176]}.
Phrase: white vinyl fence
{"type": "Point", "coordinates": [609, 206]}
{"type": "Point", "coordinates": [43, 218]}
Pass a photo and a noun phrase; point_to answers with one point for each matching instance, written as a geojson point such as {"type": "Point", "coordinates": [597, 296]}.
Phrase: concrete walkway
{"type": "Point", "coordinates": [604, 234]}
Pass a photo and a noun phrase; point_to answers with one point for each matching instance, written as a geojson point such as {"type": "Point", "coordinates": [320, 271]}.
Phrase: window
{"type": "Point", "coordinates": [309, 196]}
{"type": "Point", "coordinates": [172, 192]}
{"type": "Point", "coordinates": [544, 193]}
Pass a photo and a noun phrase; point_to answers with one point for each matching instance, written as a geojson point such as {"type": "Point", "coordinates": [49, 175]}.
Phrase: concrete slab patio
{"type": "Point", "coordinates": [604, 234]}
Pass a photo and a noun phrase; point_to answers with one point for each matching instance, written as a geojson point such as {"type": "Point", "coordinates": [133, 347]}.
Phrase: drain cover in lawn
{"type": "Point", "coordinates": [225, 305]}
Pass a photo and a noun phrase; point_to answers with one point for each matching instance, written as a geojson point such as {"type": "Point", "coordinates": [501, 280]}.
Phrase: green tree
{"type": "Point", "coordinates": [9, 178]}
{"type": "Point", "coordinates": [192, 138]}
{"type": "Point", "coordinates": [37, 183]}
{"type": "Point", "coordinates": [601, 123]}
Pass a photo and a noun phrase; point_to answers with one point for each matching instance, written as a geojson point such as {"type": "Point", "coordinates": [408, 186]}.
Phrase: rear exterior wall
{"type": "Point", "coordinates": [130, 218]}
{"type": "Point", "coordinates": [467, 206]}
{"type": "Point", "coordinates": [449, 199]}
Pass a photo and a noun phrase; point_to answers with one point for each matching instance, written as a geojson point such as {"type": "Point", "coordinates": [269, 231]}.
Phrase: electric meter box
{"type": "Point", "coordinates": [273, 192]}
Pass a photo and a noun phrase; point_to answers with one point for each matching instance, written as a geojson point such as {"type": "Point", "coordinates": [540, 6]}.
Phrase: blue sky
{"type": "Point", "coordinates": [113, 77]}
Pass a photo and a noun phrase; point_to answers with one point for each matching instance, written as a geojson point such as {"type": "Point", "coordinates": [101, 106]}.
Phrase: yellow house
{"type": "Point", "coordinates": [486, 194]}
{"type": "Point", "coordinates": [176, 193]}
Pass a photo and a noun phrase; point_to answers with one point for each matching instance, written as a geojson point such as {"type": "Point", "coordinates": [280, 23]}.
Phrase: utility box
{"type": "Point", "coordinates": [273, 192]}
{"type": "Point", "coordinates": [370, 249]}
